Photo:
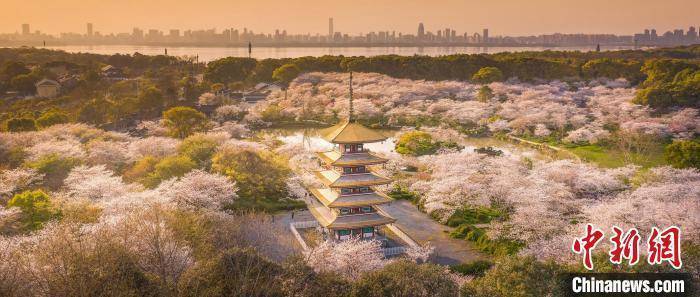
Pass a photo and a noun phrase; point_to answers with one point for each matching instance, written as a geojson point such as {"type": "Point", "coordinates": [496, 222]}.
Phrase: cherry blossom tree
{"type": "Point", "coordinates": [200, 190]}
{"type": "Point", "coordinates": [94, 183]}
{"type": "Point", "coordinates": [349, 258]}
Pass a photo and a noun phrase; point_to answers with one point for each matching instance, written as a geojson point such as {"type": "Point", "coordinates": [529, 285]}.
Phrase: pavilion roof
{"type": "Point", "coordinates": [334, 179]}
{"type": "Point", "coordinates": [351, 132]}
{"type": "Point", "coordinates": [331, 198]}
{"type": "Point", "coordinates": [336, 158]}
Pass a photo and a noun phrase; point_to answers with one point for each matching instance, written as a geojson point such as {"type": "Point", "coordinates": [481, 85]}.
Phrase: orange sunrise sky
{"type": "Point", "coordinates": [502, 17]}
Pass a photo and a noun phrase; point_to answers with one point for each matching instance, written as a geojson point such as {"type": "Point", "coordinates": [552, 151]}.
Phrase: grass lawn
{"type": "Point", "coordinates": [611, 157]}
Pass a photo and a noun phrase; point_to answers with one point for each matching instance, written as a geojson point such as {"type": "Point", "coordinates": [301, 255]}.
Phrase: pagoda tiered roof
{"type": "Point", "coordinates": [351, 132]}
{"type": "Point", "coordinates": [330, 220]}
{"type": "Point", "coordinates": [335, 179]}
{"type": "Point", "coordinates": [333, 199]}
{"type": "Point", "coordinates": [336, 158]}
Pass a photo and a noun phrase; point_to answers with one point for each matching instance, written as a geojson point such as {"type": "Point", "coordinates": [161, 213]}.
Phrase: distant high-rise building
{"type": "Point", "coordinates": [421, 31]}
{"type": "Point", "coordinates": [25, 29]}
{"type": "Point", "coordinates": [89, 29]}
{"type": "Point", "coordinates": [485, 36]}
{"type": "Point", "coordinates": [330, 28]}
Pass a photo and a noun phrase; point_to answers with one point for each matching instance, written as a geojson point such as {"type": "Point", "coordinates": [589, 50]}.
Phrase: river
{"type": "Point", "coordinates": [212, 53]}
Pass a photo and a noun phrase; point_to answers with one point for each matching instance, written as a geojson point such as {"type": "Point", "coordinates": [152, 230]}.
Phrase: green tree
{"type": "Point", "coordinates": [488, 75]}
{"type": "Point", "coordinates": [683, 154]}
{"type": "Point", "coordinates": [405, 278]}
{"type": "Point", "coordinates": [21, 125]}
{"type": "Point", "coordinates": [167, 168]}
{"type": "Point", "coordinates": [285, 75]}
{"type": "Point", "coordinates": [613, 68]}
{"type": "Point", "coordinates": [24, 83]}
{"type": "Point", "coordinates": [235, 272]}
{"type": "Point", "coordinates": [229, 69]}
{"type": "Point", "coordinates": [36, 208]}
{"type": "Point", "coordinates": [199, 148]}
{"type": "Point", "coordinates": [259, 175]}
{"type": "Point", "coordinates": [184, 121]}
{"type": "Point", "coordinates": [151, 98]}
{"type": "Point", "coordinates": [670, 82]}
{"type": "Point", "coordinates": [517, 277]}
{"type": "Point", "coordinates": [485, 94]}
{"type": "Point", "coordinates": [52, 117]}
{"type": "Point", "coordinates": [416, 143]}
{"type": "Point", "coordinates": [95, 112]}
{"type": "Point", "coordinates": [13, 68]}
{"type": "Point", "coordinates": [300, 280]}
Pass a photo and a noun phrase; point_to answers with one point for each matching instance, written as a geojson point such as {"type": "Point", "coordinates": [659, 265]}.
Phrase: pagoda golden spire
{"type": "Point", "coordinates": [350, 109]}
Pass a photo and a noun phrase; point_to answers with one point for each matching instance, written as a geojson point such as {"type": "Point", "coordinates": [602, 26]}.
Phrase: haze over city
{"type": "Point", "coordinates": [310, 16]}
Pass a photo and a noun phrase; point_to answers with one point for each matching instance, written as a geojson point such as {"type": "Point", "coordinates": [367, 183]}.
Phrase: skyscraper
{"type": "Point", "coordinates": [330, 28]}
{"type": "Point", "coordinates": [485, 36]}
{"type": "Point", "coordinates": [25, 29]}
{"type": "Point", "coordinates": [89, 29]}
{"type": "Point", "coordinates": [421, 31]}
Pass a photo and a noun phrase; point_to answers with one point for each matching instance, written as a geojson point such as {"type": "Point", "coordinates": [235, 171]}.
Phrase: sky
{"type": "Point", "coordinates": [502, 17]}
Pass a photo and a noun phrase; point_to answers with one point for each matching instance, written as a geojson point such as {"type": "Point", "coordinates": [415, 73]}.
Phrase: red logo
{"type": "Point", "coordinates": [665, 246]}
{"type": "Point", "coordinates": [586, 245]}
{"type": "Point", "coordinates": [625, 246]}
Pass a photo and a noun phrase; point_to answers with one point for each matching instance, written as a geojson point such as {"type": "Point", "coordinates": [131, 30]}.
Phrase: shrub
{"type": "Point", "coordinates": [140, 169]}
{"type": "Point", "coordinates": [416, 143]}
{"type": "Point", "coordinates": [21, 125]}
{"type": "Point", "coordinates": [476, 268]}
{"type": "Point", "coordinates": [516, 276]}
{"type": "Point", "coordinates": [36, 208]}
{"type": "Point", "coordinates": [683, 154]}
{"type": "Point", "coordinates": [55, 169]}
{"type": "Point", "coordinates": [51, 118]}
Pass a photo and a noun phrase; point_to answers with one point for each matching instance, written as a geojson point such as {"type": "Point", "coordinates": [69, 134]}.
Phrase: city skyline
{"type": "Point", "coordinates": [94, 28]}
{"type": "Point", "coordinates": [421, 36]}
{"type": "Point", "coordinates": [513, 18]}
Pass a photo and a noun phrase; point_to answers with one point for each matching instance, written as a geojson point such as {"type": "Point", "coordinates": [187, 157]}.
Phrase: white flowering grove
{"type": "Point", "coordinates": [579, 114]}
{"type": "Point", "coordinates": [550, 203]}
{"type": "Point", "coordinates": [102, 214]}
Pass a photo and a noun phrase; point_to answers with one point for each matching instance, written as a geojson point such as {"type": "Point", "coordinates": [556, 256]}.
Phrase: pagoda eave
{"type": "Point", "coordinates": [335, 158]}
{"type": "Point", "coordinates": [333, 179]}
{"type": "Point", "coordinates": [331, 198]}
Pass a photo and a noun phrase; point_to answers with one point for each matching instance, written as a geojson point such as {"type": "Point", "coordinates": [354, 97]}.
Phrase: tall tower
{"type": "Point", "coordinates": [89, 29]}
{"type": "Point", "coordinates": [421, 31]}
{"type": "Point", "coordinates": [347, 206]}
{"type": "Point", "coordinates": [330, 29]}
{"type": "Point", "coordinates": [485, 36]}
{"type": "Point", "coordinates": [25, 29]}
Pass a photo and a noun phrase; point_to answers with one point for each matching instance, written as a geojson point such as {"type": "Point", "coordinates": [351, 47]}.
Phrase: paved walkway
{"type": "Point", "coordinates": [417, 225]}
{"type": "Point", "coordinates": [423, 229]}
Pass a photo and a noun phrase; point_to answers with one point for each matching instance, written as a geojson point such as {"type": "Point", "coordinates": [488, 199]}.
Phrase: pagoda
{"type": "Point", "coordinates": [347, 206]}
